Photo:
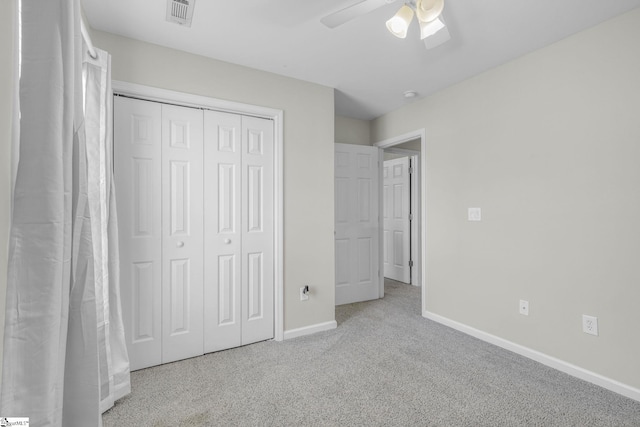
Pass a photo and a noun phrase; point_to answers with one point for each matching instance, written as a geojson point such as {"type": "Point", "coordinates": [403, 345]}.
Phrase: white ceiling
{"type": "Point", "coordinates": [369, 68]}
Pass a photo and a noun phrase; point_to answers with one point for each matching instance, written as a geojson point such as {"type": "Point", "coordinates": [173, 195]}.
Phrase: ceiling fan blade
{"type": "Point", "coordinates": [348, 13]}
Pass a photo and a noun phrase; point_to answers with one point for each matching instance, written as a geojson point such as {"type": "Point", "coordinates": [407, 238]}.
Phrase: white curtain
{"type": "Point", "coordinates": [98, 124]}
{"type": "Point", "coordinates": [64, 355]}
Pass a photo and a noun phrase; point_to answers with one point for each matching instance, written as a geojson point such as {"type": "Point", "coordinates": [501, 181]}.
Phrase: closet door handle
{"type": "Point", "coordinates": [180, 244]}
{"type": "Point", "coordinates": [227, 241]}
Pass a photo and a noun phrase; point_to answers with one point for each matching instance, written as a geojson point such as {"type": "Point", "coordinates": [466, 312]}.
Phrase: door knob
{"type": "Point", "coordinates": [180, 244]}
{"type": "Point", "coordinates": [227, 241]}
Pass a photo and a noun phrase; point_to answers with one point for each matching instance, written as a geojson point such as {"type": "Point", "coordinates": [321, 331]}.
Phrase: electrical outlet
{"type": "Point", "coordinates": [304, 296]}
{"type": "Point", "coordinates": [474, 214]}
{"type": "Point", "coordinates": [524, 307]}
{"type": "Point", "coordinates": [590, 325]}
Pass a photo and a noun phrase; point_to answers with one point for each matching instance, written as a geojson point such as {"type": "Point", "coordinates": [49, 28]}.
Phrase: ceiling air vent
{"type": "Point", "coordinates": [180, 11]}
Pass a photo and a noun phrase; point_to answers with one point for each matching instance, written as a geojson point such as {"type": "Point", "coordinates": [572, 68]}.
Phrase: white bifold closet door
{"type": "Point", "coordinates": [239, 287]}
{"type": "Point", "coordinates": [195, 202]}
{"type": "Point", "coordinates": [182, 232]}
{"type": "Point", "coordinates": [158, 173]}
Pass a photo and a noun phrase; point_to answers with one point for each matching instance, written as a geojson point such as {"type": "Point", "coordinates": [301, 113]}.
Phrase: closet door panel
{"type": "Point", "coordinates": [257, 230]}
{"type": "Point", "coordinates": [137, 173]}
{"type": "Point", "coordinates": [182, 243]}
{"type": "Point", "coordinates": [222, 251]}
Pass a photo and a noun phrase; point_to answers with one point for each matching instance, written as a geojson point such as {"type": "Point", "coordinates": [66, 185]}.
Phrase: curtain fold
{"type": "Point", "coordinates": [64, 355]}
{"type": "Point", "coordinates": [113, 357]}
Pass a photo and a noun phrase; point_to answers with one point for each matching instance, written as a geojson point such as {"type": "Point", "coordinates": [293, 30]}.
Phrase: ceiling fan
{"type": "Point", "coordinates": [433, 30]}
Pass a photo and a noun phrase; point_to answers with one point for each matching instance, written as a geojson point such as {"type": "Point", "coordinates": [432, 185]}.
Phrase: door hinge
{"type": "Point", "coordinates": [410, 170]}
{"type": "Point", "coordinates": [411, 263]}
{"type": "Point", "coordinates": [410, 217]}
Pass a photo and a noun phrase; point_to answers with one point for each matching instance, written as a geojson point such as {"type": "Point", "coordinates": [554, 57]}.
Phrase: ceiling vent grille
{"type": "Point", "coordinates": [180, 11]}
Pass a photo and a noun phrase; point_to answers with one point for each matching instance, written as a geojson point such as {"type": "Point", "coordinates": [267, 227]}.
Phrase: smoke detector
{"type": "Point", "coordinates": [180, 11]}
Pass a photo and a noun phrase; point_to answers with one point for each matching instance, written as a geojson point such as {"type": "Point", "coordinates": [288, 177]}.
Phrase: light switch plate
{"type": "Point", "coordinates": [475, 214]}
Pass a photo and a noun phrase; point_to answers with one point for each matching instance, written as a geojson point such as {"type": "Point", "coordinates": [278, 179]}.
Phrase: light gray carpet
{"type": "Point", "coordinates": [383, 365]}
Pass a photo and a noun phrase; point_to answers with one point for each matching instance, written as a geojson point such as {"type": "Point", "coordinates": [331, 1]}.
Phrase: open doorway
{"type": "Point", "coordinates": [401, 218]}
{"type": "Point", "coordinates": [407, 231]}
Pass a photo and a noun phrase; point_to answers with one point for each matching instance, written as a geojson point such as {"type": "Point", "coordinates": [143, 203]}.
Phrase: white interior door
{"type": "Point", "coordinates": [257, 230]}
{"type": "Point", "coordinates": [137, 163]}
{"type": "Point", "coordinates": [356, 223]}
{"type": "Point", "coordinates": [182, 240]}
{"type": "Point", "coordinates": [396, 223]}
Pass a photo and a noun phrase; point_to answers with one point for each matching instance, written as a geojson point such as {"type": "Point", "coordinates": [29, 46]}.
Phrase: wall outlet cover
{"type": "Point", "coordinates": [524, 307]}
{"type": "Point", "coordinates": [303, 296]}
{"type": "Point", "coordinates": [475, 214]}
{"type": "Point", "coordinates": [590, 325]}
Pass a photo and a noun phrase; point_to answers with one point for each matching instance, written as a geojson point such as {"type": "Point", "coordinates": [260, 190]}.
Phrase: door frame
{"type": "Point", "coordinates": [149, 93]}
{"type": "Point", "coordinates": [388, 143]}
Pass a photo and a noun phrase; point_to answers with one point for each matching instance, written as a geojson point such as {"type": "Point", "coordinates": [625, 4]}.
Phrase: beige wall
{"type": "Point", "coordinates": [6, 97]}
{"type": "Point", "coordinates": [308, 154]}
{"type": "Point", "coordinates": [549, 147]}
{"type": "Point", "coordinates": [352, 131]}
{"type": "Point", "coordinates": [410, 145]}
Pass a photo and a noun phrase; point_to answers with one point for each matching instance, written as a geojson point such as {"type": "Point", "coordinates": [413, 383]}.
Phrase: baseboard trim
{"type": "Point", "coordinates": [552, 362]}
{"type": "Point", "coordinates": [311, 329]}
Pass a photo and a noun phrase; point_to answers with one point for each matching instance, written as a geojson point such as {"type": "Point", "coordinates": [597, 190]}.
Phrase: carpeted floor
{"type": "Point", "coordinates": [383, 365]}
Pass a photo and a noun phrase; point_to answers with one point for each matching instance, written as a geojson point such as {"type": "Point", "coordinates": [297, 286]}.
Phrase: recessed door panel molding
{"type": "Point", "coordinates": [365, 258]}
{"type": "Point", "coordinates": [227, 139]}
{"type": "Point", "coordinates": [364, 162]}
{"type": "Point", "coordinates": [226, 198]}
{"type": "Point", "coordinates": [180, 296]}
{"type": "Point", "coordinates": [142, 132]}
{"type": "Point", "coordinates": [397, 201]}
{"type": "Point", "coordinates": [255, 141]}
{"type": "Point", "coordinates": [365, 191]}
{"type": "Point", "coordinates": [356, 222]}
{"type": "Point", "coordinates": [342, 200]}
{"type": "Point", "coordinates": [227, 290]}
{"type": "Point", "coordinates": [386, 251]}
{"type": "Point", "coordinates": [398, 249]}
{"type": "Point", "coordinates": [255, 286]}
{"type": "Point", "coordinates": [386, 197]}
{"type": "Point", "coordinates": [255, 193]}
{"type": "Point", "coordinates": [142, 282]}
{"type": "Point", "coordinates": [179, 198]}
{"type": "Point", "coordinates": [396, 221]}
{"type": "Point", "coordinates": [179, 134]}
{"type": "Point", "coordinates": [182, 235]}
{"type": "Point", "coordinates": [142, 174]}
{"type": "Point", "coordinates": [137, 173]}
{"type": "Point", "coordinates": [343, 252]}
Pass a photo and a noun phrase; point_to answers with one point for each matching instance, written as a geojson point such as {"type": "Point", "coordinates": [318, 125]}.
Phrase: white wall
{"type": "Point", "coordinates": [6, 96]}
{"type": "Point", "coordinates": [308, 154]}
{"type": "Point", "coordinates": [352, 131]}
{"type": "Point", "coordinates": [549, 147]}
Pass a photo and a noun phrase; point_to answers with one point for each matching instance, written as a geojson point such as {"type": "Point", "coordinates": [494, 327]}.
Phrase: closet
{"type": "Point", "coordinates": [195, 208]}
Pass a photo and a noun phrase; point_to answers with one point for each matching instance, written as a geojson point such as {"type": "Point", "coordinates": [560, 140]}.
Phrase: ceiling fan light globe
{"type": "Point", "coordinates": [430, 28]}
{"type": "Point", "coordinates": [399, 23]}
{"type": "Point", "coordinates": [429, 10]}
